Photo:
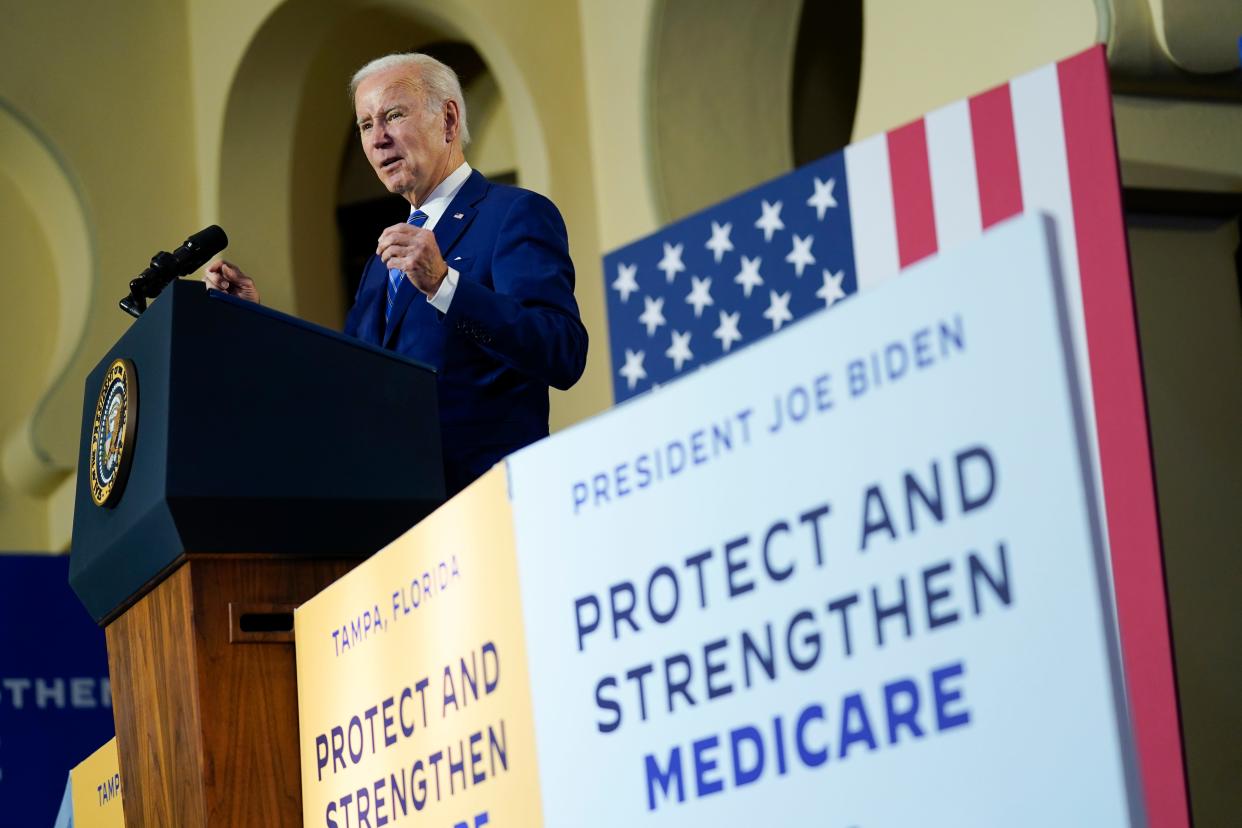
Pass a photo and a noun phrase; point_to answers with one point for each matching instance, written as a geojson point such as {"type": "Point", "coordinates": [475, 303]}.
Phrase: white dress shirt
{"type": "Point", "coordinates": [434, 207]}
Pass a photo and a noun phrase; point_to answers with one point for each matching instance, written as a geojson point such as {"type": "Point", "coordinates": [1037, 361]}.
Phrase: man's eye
{"type": "Point", "coordinates": [394, 115]}
{"type": "Point", "coordinates": [364, 127]}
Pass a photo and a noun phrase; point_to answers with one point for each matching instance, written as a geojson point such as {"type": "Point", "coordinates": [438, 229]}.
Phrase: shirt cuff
{"type": "Point", "coordinates": [444, 293]}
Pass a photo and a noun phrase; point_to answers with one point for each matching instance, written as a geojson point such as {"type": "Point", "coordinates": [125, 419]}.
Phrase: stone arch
{"type": "Point", "coordinates": [283, 134]}
{"type": "Point", "coordinates": [46, 192]}
{"type": "Point", "coordinates": [740, 92]}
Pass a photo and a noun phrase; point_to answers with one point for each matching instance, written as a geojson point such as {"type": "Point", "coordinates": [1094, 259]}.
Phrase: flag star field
{"type": "Point", "coordinates": [729, 275]}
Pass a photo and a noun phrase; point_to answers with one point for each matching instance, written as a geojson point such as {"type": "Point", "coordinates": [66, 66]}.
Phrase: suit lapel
{"type": "Point", "coordinates": [461, 211]}
{"type": "Point", "coordinates": [370, 303]}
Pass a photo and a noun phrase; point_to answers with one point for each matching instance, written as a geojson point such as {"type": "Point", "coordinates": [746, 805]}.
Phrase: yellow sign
{"type": "Point", "coordinates": [96, 785]}
{"type": "Point", "coordinates": [413, 693]}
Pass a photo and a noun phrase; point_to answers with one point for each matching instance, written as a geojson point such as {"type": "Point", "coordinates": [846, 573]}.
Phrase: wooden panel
{"type": "Point", "coordinates": [249, 689]}
{"type": "Point", "coordinates": [207, 728]}
{"type": "Point", "coordinates": [151, 659]}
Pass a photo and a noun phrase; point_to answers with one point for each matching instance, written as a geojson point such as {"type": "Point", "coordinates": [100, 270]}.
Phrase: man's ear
{"type": "Point", "coordinates": [452, 121]}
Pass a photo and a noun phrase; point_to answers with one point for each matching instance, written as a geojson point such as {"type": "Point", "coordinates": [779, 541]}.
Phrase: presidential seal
{"type": "Point", "coordinates": [112, 434]}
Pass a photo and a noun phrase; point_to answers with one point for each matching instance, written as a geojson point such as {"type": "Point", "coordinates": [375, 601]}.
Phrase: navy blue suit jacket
{"type": "Point", "coordinates": [511, 331]}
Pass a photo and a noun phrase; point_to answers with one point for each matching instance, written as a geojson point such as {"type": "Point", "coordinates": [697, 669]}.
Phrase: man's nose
{"type": "Point", "coordinates": [379, 135]}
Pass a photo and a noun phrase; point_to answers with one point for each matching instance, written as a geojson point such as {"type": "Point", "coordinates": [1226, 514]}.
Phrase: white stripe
{"type": "Point", "coordinates": [1044, 170]}
{"type": "Point", "coordinates": [955, 186]}
{"type": "Point", "coordinates": [1042, 164]}
{"type": "Point", "coordinates": [872, 222]}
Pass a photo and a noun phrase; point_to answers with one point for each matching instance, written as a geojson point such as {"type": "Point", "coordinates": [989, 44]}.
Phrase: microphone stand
{"type": "Point", "coordinates": [150, 283]}
{"type": "Point", "coordinates": [165, 267]}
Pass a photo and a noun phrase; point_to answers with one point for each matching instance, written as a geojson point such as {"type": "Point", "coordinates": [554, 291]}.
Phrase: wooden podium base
{"type": "Point", "coordinates": [204, 691]}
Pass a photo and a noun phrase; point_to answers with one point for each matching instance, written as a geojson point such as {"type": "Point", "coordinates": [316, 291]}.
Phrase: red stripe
{"type": "Point", "coordinates": [1121, 424]}
{"type": "Point", "coordinates": [912, 193]}
{"type": "Point", "coordinates": [996, 156]}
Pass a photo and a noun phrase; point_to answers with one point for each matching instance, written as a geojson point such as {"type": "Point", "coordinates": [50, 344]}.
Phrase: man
{"type": "Point", "coordinates": [478, 283]}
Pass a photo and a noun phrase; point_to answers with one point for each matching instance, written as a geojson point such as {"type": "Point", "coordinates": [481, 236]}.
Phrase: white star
{"type": "Point", "coordinates": [653, 314]}
{"type": "Point", "coordinates": [823, 198]}
{"type": "Point", "coordinates": [728, 333]}
{"type": "Point", "coordinates": [719, 243]}
{"type": "Point", "coordinates": [778, 309]}
{"type": "Point", "coordinates": [749, 278]}
{"type": "Point", "coordinates": [832, 290]}
{"type": "Point", "coordinates": [626, 283]}
{"type": "Point", "coordinates": [700, 294]}
{"type": "Point", "coordinates": [679, 351]}
{"type": "Point", "coordinates": [633, 370]}
{"type": "Point", "coordinates": [801, 256]}
{"type": "Point", "coordinates": [770, 221]}
{"type": "Point", "coordinates": [671, 263]}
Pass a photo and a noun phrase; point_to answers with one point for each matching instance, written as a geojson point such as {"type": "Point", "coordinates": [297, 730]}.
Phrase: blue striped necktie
{"type": "Point", "coordinates": [417, 218]}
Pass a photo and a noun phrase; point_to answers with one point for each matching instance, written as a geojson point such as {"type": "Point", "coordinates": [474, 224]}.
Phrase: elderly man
{"type": "Point", "coordinates": [477, 282]}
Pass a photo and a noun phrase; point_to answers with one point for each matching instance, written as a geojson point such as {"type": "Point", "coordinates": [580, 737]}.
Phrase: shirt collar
{"type": "Point", "coordinates": [443, 195]}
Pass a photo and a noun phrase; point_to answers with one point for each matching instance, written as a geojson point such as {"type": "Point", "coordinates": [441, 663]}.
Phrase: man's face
{"type": "Point", "coordinates": [407, 145]}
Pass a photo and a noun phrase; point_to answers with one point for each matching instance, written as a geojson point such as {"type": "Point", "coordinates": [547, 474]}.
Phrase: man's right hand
{"type": "Point", "coordinates": [227, 277]}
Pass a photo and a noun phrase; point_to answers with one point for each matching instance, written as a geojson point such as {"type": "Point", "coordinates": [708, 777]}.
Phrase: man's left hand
{"type": "Point", "coordinates": [413, 251]}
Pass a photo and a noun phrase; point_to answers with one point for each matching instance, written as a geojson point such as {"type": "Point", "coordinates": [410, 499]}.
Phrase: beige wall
{"type": "Point", "coordinates": [918, 56]}
{"type": "Point", "coordinates": [28, 294]}
{"type": "Point", "coordinates": [616, 68]}
{"type": "Point", "coordinates": [95, 126]}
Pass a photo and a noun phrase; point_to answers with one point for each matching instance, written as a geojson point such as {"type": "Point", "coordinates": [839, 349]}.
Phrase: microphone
{"type": "Point", "coordinates": [195, 252]}
{"type": "Point", "coordinates": [198, 249]}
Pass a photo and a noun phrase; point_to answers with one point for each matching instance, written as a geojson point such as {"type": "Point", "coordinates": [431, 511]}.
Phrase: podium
{"type": "Point", "coordinates": [234, 461]}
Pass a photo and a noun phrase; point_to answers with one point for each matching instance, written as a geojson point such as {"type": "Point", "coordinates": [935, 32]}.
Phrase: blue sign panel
{"type": "Point", "coordinates": [55, 698]}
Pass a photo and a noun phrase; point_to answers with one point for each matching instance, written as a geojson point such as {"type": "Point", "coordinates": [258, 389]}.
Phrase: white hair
{"type": "Point", "coordinates": [437, 81]}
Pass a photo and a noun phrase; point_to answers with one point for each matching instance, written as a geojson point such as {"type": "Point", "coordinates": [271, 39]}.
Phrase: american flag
{"type": "Point", "coordinates": [739, 271]}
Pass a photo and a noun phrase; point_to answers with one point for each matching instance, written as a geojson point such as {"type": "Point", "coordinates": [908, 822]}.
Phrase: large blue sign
{"type": "Point", "coordinates": [55, 698]}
